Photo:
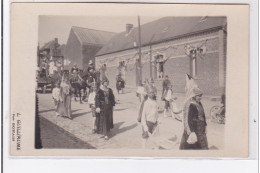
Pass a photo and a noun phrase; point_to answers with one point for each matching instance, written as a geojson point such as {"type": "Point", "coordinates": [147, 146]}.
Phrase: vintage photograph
{"type": "Point", "coordinates": [131, 82]}
{"type": "Point", "coordinates": [119, 80]}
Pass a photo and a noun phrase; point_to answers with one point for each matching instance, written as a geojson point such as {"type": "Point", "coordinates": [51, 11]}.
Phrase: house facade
{"type": "Point", "coordinates": [172, 46]}
{"type": "Point", "coordinates": [83, 44]}
{"type": "Point", "coordinates": [50, 57]}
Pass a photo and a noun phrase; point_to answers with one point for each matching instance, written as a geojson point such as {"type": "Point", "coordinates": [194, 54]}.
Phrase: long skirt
{"type": "Point", "coordinates": [104, 120]}
{"type": "Point", "coordinates": [64, 108]}
{"type": "Point", "coordinates": [201, 144]}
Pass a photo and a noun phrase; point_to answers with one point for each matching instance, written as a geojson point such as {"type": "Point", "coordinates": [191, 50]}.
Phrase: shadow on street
{"type": "Point", "coordinates": [117, 130]}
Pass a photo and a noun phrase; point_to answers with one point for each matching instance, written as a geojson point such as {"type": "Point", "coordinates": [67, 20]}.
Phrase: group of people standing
{"type": "Point", "coordinates": [100, 99]}
{"type": "Point", "coordinates": [194, 120]}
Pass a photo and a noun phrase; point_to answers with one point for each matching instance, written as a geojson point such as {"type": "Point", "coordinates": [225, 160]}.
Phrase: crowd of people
{"type": "Point", "coordinates": [193, 116]}
{"type": "Point", "coordinates": [102, 100]}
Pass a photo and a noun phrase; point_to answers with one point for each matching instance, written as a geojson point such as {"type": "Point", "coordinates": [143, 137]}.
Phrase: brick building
{"type": "Point", "coordinates": [170, 46]}
{"type": "Point", "coordinates": [83, 44]}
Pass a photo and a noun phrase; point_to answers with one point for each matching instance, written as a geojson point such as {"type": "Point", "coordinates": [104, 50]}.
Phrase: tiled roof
{"type": "Point", "coordinates": [160, 30]}
{"type": "Point", "coordinates": [91, 36]}
{"type": "Point", "coordinates": [62, 49]}
{"type": "Point", "coordinates": [48, 45]}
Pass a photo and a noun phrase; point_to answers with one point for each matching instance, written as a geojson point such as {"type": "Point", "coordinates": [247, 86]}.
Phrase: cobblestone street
{"type": "Point", "coordinates": [126, 132]}
{"type": "Point", "coordinates": [55, 137]}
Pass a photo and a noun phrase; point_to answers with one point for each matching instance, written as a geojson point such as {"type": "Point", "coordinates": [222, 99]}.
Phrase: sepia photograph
{"type": "Point", "coordinates": [138, 80]}
{"type": "Point", "coordinates": [131, 82]}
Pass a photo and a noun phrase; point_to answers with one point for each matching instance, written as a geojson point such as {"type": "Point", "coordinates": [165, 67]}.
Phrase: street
{"type": "Point", "coordinates": [53, 136]}
{"type": "Point", "coordinates": [127, 132]}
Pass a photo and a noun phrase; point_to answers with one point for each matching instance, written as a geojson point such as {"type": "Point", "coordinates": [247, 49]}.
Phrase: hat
{"type": "Point", "coordinates": [191, 88]}
{"type": "Point", "coordinates": [104, 80]}
{"type": "Point", "coordinates": [90, 68]}
{"type": "Point", "coordinates": [93, 84]}
{"type": "Point", "coordinates": [151, 89]}
{"type": "Point", "coordinates": [197, 91]}
{"type": "Point", "coordinates": [151, 80]}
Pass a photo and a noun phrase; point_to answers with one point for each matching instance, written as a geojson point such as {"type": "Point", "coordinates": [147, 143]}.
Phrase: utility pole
{"type": "Point", "coordinates": [151, 56]}
{"type": "Point", "coordinates": [140, 52]}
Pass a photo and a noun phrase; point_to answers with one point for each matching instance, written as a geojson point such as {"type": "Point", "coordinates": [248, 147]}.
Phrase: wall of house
{"type": "Point", "coordinates": [88, 53]}
{"type": "Point", "coordinates": [73, 51]}
{"type": "Point", "coordinates": [210, 67]}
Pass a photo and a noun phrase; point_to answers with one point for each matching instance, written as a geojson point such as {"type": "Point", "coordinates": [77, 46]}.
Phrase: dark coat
{"type": "Point", "coordinates": [196, 122]}
{"type": "Point", "coordinates": [120, 83]}
{"type": "Point", "coordinates": [105, 101]}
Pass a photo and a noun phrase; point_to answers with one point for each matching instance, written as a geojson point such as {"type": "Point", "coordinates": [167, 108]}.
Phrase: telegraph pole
{"type": "Point", "coordinates": [140, 52]}
{"type": "Point", "coordinates": [151, 56]}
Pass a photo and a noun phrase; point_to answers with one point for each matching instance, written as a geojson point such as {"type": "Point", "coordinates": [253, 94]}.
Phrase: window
{"type": "Point", "coordinates": [196, 54]}
{"type": "Point", "coordinates": [122, 68]}
{"type": "Point", "coordinates": [104, 66]}
{"type": "Point", "coordinates": [193, 55]}
{"type": "Point", "coordinates": [121, 64]}
{"type": "Point", "coordinates": [160, 61]}
{"type": "Point", "coordinates": [194, 66]}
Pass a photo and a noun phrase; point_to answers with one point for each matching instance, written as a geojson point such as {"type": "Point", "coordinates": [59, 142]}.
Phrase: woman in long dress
{"type": "Point", "coordinates": [104, 101]}
{"type": "Point", "coordinates": [64, 107]}
{"type": "Point", "coordinates": [194, 135]}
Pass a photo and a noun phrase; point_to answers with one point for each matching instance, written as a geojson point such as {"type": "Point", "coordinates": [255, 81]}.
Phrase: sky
{"type": "Point", "coordinates": [51, 27]}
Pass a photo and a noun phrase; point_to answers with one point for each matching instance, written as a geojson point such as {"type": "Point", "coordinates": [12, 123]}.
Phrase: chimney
{"type": "Point", "coordinates": [129, 27]}
{"type": "Point", "coordinates": [56, 43]}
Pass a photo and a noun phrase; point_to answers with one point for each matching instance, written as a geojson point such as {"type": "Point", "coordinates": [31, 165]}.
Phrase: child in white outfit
{"type": "Point", "coordinates": [167, 100]}
{"type": "Point", "coordinates": [149, 118]}
{"type": "Point", "coordinates": [56, 95]}
{"type": "Point", "coordinates": [91, 102]}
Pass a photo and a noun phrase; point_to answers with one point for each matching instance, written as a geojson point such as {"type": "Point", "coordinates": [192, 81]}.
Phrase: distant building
{"type": "Point", "coordinates": [83, 44]}
{"type": "Point", "coordinates": [52, 49]}
{"type": "Point", "coordinates": [50, 57]}
{"type": "Point", "coordinates": [171, 46]}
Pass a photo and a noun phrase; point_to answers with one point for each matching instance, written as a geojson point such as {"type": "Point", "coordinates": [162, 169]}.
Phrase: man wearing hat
{"type": "Point", "coordinates": [74, 69]}
{"type": "Point", "coordinates": [91, 65]}
{"type": "Point", "coordinates": [104, 103]}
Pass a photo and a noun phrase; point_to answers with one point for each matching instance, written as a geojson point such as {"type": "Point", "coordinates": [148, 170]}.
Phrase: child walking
{"type": "Point", "coordinates": [142, 95]}
{"type": "Point", "coordinates": [56, 95]}
{"type": "Point", "coordinates": [167, 100]}
{"type": "Point", "coordinates": [149, 118]}
{"type": "Point", "coordinates": [91, 102]}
